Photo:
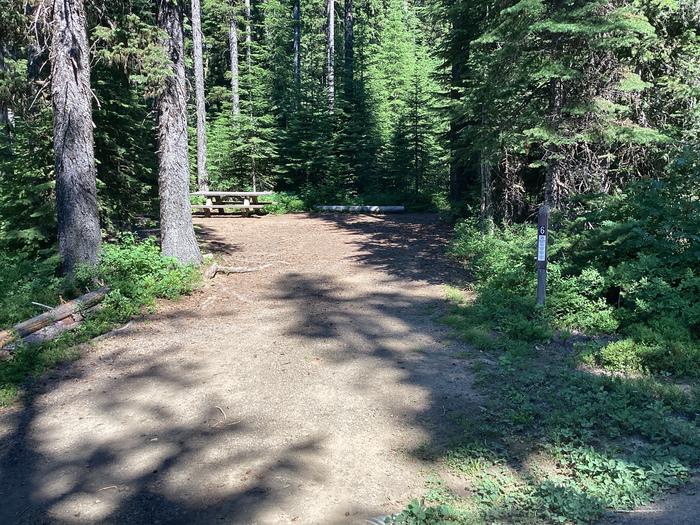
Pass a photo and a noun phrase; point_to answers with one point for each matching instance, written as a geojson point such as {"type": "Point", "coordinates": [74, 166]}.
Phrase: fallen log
{"type": "Point", "coordinates": [59, 313]}
{"type": "Point", "coordinates": [52, 331]}
{"type": "Point", "coordinates": [362, 209]}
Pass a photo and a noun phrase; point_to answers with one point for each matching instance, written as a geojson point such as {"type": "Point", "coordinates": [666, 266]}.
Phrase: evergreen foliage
{"type": "Point", "coordinates": [478, 108]}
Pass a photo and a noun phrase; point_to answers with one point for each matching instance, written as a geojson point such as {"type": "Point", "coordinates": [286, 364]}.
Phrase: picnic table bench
{"type": "Point", "coordinates": [239, 200]}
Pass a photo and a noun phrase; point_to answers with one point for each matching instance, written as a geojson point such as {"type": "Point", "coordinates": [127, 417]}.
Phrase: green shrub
{"type": "Point", "coordinates": [285, 203]}
{"type": "Point", "coordinates": [416, 513]}
{"type": "Point", "coordinates": [136, 273]}
{"type": "Point", "coordinates": [624, 263]}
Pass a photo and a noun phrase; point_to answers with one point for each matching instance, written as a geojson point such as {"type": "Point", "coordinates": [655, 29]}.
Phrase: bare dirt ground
{"type": "Point", "coordinates": [295, 394]}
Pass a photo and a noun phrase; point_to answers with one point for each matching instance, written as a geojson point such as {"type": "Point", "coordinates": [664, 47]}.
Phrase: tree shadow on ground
{"type": "Point", "coordinates": [148, 472]}
{"type": "Point", "coordinates": [390, 333]}
{"type": "Point", "coordinates": [408, 246]}
{"type": "Point", "coordinates": [548, 404]}
{"type": "Point", "coordinates": [138, 460]}
{"type": "Point", "coordinates": [211, 241]}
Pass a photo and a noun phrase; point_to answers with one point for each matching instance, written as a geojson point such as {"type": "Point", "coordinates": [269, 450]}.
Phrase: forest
{"type": "Point", "coordinates": [479, 112]}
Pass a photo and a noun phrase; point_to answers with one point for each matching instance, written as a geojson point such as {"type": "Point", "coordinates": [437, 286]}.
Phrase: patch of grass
{"type": "Point", "coordinates": [601, 441]}
{"type": "Point", "coordinates": [137, 275]}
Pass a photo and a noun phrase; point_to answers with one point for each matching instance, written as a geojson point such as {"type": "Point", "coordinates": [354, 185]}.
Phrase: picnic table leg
{"type": "Point", "coordinates": [220, 200]}
{"type": "Point", "coordinates": [246, 202]}
{"type": "Point", "coordinates": [207, 211]}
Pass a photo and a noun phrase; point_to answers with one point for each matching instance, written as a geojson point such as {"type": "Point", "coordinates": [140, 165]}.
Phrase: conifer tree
{"type": "Point", "coordinates": [330, 54]}
{"type": "Point", "coordinates": [176, 229]}
{"type": "Point", "coordinates": [197, 37]}
{"type": "Point", "coordinates": [233, 53]}
{"type": "Point", "coordinates": [79, 234]}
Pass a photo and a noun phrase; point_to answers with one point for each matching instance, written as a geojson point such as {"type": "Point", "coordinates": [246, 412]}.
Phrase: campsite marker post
{"type": "Point", "coordinates": [542, 234]}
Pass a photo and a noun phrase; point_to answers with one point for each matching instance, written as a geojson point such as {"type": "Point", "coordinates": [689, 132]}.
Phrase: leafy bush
{"type": "Point", "coordinates": [136, 273]}
{"type": "Point", "coordinates": [285, 203]}
{"type": "Point", "coordinates": [416, 513]}
{"type": "Point", "coordinates": [626, 263]}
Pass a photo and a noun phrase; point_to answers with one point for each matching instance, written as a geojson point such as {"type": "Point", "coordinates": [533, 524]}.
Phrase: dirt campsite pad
{"type": "Point", "coordinates": [295, 394]}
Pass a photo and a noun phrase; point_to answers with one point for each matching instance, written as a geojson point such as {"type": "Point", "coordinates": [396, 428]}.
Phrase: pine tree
{"type": "Point", "coordinates": [79, 234]}
{"type": "Point", "coordinates": [176, 229]}
{"type": "Point", "coordinates": [197, 37]}
{"type": "Point", "coordinates": [233, 53]}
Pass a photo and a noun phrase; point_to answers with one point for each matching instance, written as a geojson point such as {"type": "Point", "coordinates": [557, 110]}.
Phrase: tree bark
{"type": "Point", "coordinates": [456, 163]}
{"type": "Point", "coordinates": [330, 54]}
{"type": "Point", "coordinates": [5, 119]}
{"type": "Point", "coordinates": [176, 229]}
{"type": "Point", "coordinates": [349, 59]}
{"type": "Point", "coordinates": [248, 37]}
{"type": "Point", "coordinates": [556, 97]}
{"type": "Point", "coordinates": [296, 14]}
{"type": "Point", "coordinates": [486, 212]}
{"type": "Point", "coordinates": [202, 175]}
{"type": "Point", "coordinates": [76, 193]}
{"type": "Point", "coordinates": [233, 50]}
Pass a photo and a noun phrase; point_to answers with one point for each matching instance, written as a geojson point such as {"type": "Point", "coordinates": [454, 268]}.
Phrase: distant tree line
{"type": "Point", "coordinates": [113, 110]}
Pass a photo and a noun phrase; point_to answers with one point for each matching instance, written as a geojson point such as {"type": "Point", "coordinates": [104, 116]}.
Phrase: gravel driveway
{"type": "Point", "coordinates": [294, 394]}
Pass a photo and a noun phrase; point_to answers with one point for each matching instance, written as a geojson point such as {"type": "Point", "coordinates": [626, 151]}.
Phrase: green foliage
{"type": "Point", "coordinates": [136, 273]}
{"type": "Point", "coordinates": [552, 443]}
{"type": "Point", "coordinates": [624, 263]}
{"type": "Point", "coordinates": [560, 443]}
{"type": "Point", "coordinates": [594, 94]}
{"type": "Point", "coordinates": [285, 203]}
{"type": "Point", "coordinates": [416, 513]}
{"type": "Point", "coordinates": [27, 199]}
{"type": "Point", "coordinates": [23, 280]}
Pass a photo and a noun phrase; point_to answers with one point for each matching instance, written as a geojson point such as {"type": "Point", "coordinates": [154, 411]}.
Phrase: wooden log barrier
{"type": "Point", "coordinates": [362, 209]}
{"type": "Point", "coordinates": [59, 313]}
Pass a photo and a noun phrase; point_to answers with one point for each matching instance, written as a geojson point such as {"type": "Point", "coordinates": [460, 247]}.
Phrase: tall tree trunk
{"type": "Point", "coordinates": [296, 14]}
{"type": "Point", "coordinates": [556, 97]}
{"type": "Point", "coordinates": [248, 37]}
{"type": "Point", "coordinates": [456, 163]}
{"type": "Point", "coordinates": [330, 54]}
{"type": "Point", "coordinates": [5, 111]}
{"type": "Point", "coordinates": [349, 59]}
{"type": "Point", "coordinates": [416, 136]}
{"type": "Point", "coordinates": [233, 50]}
{"type": "Point", "coordinates": [176, 230]}
{"type": "Point", "coordinates": [202, 175]}
{"type": "Point", "coordinates": [486, 212]}
{"type": "Point", "coordinates": [249, 69]}
{"type": "Point", "coordinates": [76, 192]}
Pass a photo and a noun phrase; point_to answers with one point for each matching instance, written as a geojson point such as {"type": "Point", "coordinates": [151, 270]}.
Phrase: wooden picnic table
{"type": "Point", "coordinates": [240, 200]}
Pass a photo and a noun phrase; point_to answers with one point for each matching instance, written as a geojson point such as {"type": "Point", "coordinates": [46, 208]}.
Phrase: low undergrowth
{"type": "Point", "coordinates": [591, 403]}
{"type": "Point", "coordinates": [305, 200]}
{"type": "Point", "coordinates": [282, 202]}
{"type": "Point", "coordinates": [554, 442]}
{"type": "Point", "coordinates": [137, 275]}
